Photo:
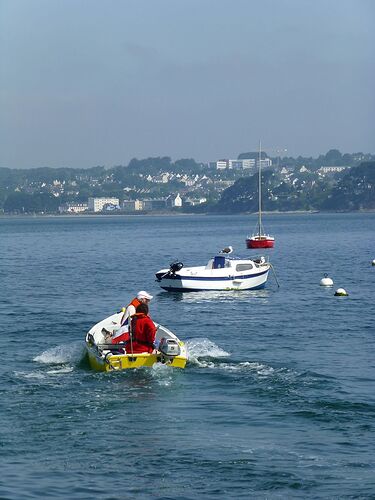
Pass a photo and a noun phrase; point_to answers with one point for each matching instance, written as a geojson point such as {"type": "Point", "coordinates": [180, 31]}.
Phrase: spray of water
{"type": "Point", "coordinates": [62, 354]}
{"type": "Point", "coordinates": [204, 348]}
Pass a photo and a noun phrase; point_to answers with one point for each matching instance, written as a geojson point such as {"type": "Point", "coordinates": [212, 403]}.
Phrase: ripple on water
{"type": "Point", "coordinates": [276, 400]}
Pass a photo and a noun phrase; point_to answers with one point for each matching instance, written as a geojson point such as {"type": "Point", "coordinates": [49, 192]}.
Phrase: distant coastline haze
{"type": "Point", "coordinates": [99, 83]}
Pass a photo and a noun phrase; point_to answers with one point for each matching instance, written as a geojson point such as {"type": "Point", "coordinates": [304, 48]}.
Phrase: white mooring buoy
{"type": "Point", "coordinates": [326, 281]}
{"type": "Point", "coordinates": [373, 262]}
{"type": "Point", "coordinates": [341, 292]}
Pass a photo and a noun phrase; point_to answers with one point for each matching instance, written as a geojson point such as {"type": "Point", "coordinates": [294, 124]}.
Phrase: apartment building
{"type": "Point", "coordinates": [97, 204]}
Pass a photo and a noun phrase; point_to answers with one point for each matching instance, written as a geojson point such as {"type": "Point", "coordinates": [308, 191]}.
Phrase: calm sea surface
{"type": "Point", "coordinates": [277, 400]}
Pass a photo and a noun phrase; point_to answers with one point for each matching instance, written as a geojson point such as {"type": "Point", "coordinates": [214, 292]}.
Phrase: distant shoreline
{"type": "Point", "coordinates": [169, 214]}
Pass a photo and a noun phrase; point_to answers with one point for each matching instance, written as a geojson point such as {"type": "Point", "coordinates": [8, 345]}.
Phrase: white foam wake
{"type": "Point", "coordinates": [204, 348]}
{"type": "Point", "coordinates": [65, 353]}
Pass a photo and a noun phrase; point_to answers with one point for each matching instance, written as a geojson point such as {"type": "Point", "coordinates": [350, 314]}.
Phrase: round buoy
{"type": "Point", "coordinates": [373, 262]}
{"type": "Point", "coordinates": [326, 281]}
{"type": "Point", "coordinates": [340, 292]}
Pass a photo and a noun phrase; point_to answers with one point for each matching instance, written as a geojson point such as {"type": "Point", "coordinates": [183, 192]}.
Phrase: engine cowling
{"type": "Point", "coordinates": [169, 347]}
{"type": "Point", "coordinates": [175, 267]}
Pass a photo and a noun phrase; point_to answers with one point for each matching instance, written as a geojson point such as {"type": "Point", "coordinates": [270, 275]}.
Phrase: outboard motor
{"type": "Point", "coordinates": [175, 266]}
{"type": "Point", "coordinates": [171, 273]}
{"type": "Point", "coordinates": [169, 347]}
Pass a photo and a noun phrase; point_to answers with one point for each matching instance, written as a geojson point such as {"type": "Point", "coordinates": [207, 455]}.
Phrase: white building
{"type": "Point", "coordinates": [246, 163]}
{"type": "Point", "coordinates": [265, 163]}
{"type": "Point", "coordinates": [331, 170]}
{"type": "Point", "coordinates": [195, 201]}
{"type": "Point", "coordinates": [219, 164]}
{"type": "Point", "coordinates": [138, 205]}
{"type": "Point", "coordinates": [242, 164]}
{"type": "Point", "coordinates": [237, 164]}
{"type": "Point", "coordinates": [73, 208]}
{"type": "Point", "coordinates": [284, 171]}
{"type": "Point", "coordinates": [97, 204]}
{"type": "Point", "coordinates": [303, 169]}
{"type": "Point", "coordinates": [162, 178]}
{"type": "Point", "coordinates": [177, 201]}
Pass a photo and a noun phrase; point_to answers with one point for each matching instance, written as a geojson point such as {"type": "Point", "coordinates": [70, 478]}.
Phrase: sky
{"type": "Point", "coordinates": [99, 82]}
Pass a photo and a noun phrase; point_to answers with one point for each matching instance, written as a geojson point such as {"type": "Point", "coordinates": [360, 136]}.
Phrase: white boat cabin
{"type": "Point", "coordinates": [237, 265]}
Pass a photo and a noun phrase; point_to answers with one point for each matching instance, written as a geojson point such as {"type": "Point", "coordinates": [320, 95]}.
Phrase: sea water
{"type": "Point", "coordinates": [277, 399]}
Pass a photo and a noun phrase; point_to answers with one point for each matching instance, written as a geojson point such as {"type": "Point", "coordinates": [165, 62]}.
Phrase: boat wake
{"type": "Point", "coordinates": [204, 353]}
{"type": "Point", "coordinates": [58, 360]}
{"type": "Point", "coordinates": [71, 354]}
{"type": "Point", "coordinates": [204, 348]}
{"type": "Point", "coordinates": [249, 367]}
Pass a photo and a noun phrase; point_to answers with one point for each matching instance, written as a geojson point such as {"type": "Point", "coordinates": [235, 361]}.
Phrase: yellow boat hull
{"type": "Point", "coordinates": [118, 362]}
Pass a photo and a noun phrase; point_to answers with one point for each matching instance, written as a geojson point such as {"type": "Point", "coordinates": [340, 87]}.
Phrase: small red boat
{"type": "Point", "coordinates": [260, 239]}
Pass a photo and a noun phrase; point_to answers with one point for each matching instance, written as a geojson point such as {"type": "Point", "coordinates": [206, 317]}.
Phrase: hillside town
{"type": "Point", "coordinates": [158, 185]}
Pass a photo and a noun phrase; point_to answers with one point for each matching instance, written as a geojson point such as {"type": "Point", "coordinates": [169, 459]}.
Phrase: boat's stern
{"type": "Point", "coordinates": [161, 274]}
{"type": "Point", "coordinates": [113, 357]}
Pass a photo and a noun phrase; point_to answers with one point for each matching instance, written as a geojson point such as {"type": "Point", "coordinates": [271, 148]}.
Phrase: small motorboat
{"type": "Point", "coordinates": [104, 356]}
{"type": "Point", "coordinates": [222, 272]}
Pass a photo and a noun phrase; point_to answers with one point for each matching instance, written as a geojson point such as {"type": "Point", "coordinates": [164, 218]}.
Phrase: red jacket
{"type": "Point", "coordinates": [143, 334]}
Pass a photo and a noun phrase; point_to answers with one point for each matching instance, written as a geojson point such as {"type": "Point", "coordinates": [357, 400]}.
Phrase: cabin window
{"type": "Point", "coordinates": [244, 267]}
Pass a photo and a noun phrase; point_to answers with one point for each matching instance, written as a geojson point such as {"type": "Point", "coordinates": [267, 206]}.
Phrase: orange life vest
{"type": "Point", "coordinates": [135, 302]}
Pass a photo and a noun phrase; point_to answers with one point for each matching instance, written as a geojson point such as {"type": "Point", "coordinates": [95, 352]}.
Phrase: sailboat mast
{"type": "Point", "coordinates": [260, 191]}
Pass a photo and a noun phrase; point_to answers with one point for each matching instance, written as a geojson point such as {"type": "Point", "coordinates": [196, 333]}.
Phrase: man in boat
{"type": "Point", "coordinates": [122, 333]}
{"type": "Point", "coordinates": [143, 331]}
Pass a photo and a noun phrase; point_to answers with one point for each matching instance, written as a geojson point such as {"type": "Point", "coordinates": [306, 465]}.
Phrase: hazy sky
{"type": "Point", "coordinates": [89, 82]}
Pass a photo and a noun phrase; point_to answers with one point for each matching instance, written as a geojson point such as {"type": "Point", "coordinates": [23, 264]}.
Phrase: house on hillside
{"type": "Point", "coordinates": [175, 201]}
{"type": "Point", "coordinates": [331, 170]}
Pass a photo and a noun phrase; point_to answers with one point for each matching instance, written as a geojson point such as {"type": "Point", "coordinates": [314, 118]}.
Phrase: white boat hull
{"type": "Point", "coordinates": [196, 279]}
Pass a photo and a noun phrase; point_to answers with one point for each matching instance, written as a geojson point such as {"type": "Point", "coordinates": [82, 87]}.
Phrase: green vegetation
{"type": "Point", "coordinates": [21, 203]}
{"type": "Point", "coordinates": [333, 181]}
{"type": "Point", "coordinates": [354, 191]}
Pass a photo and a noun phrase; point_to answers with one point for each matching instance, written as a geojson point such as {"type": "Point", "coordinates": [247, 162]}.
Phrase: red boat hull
{"type": "Point", "coordinates": [260, 242]}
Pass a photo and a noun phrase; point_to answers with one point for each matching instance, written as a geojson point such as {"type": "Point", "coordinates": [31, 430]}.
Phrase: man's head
{"type": "Point", "coordinates": [142, 308]}
{"type": "Point", "coordinates": [144, 297]}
